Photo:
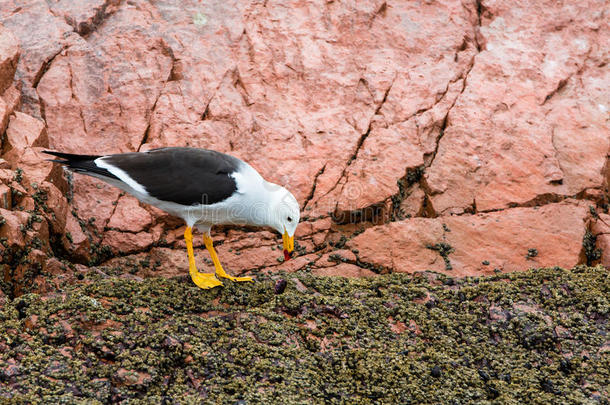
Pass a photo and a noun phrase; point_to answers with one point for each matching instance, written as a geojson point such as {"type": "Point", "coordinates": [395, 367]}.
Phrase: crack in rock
{"type": "Point", "coordinates": [46, 65]}
{"type": "Point", "coordinates": [361, 140]}
{"type": "Point", "coordinates": [563, 82]}
{"type": "Point", "coordinates": [91, 23]}
{"type": "Point", "coordinates": [313, 187]}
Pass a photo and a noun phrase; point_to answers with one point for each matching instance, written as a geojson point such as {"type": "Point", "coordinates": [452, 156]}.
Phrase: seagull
{"type": "Point", "coordinates": [201, 186]}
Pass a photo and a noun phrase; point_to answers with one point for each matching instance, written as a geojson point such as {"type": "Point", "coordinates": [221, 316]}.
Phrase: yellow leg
{"type": "Point", "coordinates": [203, 280]}
{"type": "Point", "coordinates": [220, 272]}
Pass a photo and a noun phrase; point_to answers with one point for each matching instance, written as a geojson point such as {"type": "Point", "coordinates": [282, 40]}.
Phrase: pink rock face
{"type": "Point", "coordinates": [344, 270]}
{"type": "Point", "coordinates": [38, 169]}
{"type": "Point", "coordinates": [9, 55]}
{"type": "Point", "coordinates": [373, 176]}
{"type": "Point", "coordinates": [539, 128]}
{"type": "Point", "coordinates": [391, 122]}
{"type": "Point", "coordinates": [25, 131]}
{"type": "Point", "coordinates": [55, 206]}
{"type": "Point", "coordinates": [105, 100]}
{"type": "Point", "coordinates": [94, 202]}
{"type": "Point", "coordinates": [511, 240]}
{"type": "Point", "coordinates": [9, 102]}
{"type": "Point", "coordinates": [123, 242]}
{"type": "Point", "coordinates": [129, 216]}
{"type": "Point", "coordinates": [85, 15]}
{"type": "Point", "coordinates": [74, 240]}
{"type": "Point", "coordinates": [10, 228]}
{"type": "Point", "coordinates": [41, 36]}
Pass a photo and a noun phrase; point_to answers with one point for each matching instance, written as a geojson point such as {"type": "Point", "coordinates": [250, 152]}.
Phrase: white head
{"type": "Point", "coordinates": [284, 218]}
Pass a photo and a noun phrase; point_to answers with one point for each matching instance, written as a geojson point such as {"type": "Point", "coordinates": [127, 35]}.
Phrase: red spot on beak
{"type": "Point", "coordinates": [287, 255]}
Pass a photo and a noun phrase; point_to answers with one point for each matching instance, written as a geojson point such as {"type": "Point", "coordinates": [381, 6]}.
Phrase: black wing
{"type": "Point", "coordinates": [185, 176]}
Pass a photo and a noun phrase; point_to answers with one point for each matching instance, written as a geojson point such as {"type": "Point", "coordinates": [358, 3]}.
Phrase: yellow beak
{"type": "Point", "coordinates": [288, 245]}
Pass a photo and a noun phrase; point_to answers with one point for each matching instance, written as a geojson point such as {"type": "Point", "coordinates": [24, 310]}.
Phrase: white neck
{"type": "Point", "coordinates": [257, 195]}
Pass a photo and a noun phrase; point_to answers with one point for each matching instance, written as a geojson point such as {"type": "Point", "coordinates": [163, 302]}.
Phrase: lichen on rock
{"type": "Point", "coordinates": [532, 337]}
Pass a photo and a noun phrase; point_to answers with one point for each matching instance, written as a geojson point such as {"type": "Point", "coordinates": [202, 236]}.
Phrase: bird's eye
{"type": "Point", "coordinates": [289, 219]}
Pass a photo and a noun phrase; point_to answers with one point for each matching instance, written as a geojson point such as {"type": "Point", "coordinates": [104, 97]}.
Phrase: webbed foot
{"type": "Point", "coordinates": [205, 280]}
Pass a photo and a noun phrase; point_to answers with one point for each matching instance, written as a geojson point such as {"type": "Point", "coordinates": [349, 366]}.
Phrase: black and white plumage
{"type": "Point", "coordinates": [148, 173]}
{"type": "Point", "coordinates": [201, 186]}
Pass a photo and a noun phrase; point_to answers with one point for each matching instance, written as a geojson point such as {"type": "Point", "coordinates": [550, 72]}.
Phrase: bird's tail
{"type": "Point", "coordinates": [80, 163]}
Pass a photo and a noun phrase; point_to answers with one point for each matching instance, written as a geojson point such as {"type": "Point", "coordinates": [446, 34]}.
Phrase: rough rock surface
{"type": "Point", "coordinates": [485, 243]}
{"type": "Point", "coordinates": [532, 337]}
{"type": "Point", "coordinates": [442, 135]}
{"type": "Point", "coordinates": [9, 56]}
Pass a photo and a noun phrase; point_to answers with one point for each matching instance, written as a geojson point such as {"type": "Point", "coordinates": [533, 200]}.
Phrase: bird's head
{"type": "Point", "coordinates": [285, 218]}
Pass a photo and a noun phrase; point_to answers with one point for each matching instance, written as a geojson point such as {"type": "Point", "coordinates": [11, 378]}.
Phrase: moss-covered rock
{"type": "Point", "coordinates": [533, 337]}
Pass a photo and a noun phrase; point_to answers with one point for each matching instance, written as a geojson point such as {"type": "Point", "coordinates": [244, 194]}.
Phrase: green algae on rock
{"type": "Point", "coordinates": [533, 337]}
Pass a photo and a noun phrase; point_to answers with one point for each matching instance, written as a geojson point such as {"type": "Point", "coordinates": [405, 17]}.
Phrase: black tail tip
{"type": "Point", "coordinates": [52, 153]}
{"type": "Point", "coordinates": [70, 156]}
{"type": "Point", "coordinates": [56, 154]}
{"type": "Point", "coordinates": [56, 161]}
